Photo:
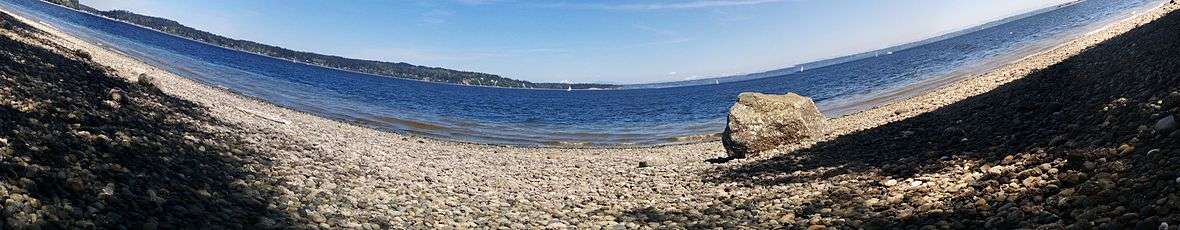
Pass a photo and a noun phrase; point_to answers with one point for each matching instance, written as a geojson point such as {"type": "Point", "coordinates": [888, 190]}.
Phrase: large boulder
{"type": "Point", "coordinates": [760, 122]}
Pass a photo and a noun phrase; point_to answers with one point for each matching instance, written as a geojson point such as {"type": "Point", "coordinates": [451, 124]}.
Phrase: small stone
{"type": "Point", "coordinates": [204, 194]}
{"type": "Point", "coordinates": [112, 104]}
{"type": "Point", "coordinates": [981, 203]}
{"type": "Point", "coordinates": [155, 197]}
{"type": "Point", "coordinates": [890, 182]}
{"type": "Point", "coordinates": [996, 170]}
{"type": "Point", "coordinates": [1163, 226]}
{"type": "Point", "coordinates": [871, 202]}
{"type": "Point", "coordinates": [107, 191]}
{"type": "Point", "coordinates": [643, 164]}
{"type": "Point", "coordinates": [1166, 124]}
{"type": "Point", "coordinates": [116, 95]}
{"type": "Point", "coordinates": [556, 225]}
{"type": "Point", "coordinates": [317, 217]}
{"type": "Point", "coordinates": [75, 185]}
{"type": "Point", "coordinates": [1126, 149]}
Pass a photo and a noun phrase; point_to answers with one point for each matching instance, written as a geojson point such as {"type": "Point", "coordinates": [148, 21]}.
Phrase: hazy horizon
{"type": "Point", "coordinates": [620, 42]}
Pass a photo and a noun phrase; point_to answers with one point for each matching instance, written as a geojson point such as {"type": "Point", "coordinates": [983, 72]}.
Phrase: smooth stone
{"type": "Point", "coordinates": [760, 122]}
{"type": "Point", "coordinates": [1166, 124]}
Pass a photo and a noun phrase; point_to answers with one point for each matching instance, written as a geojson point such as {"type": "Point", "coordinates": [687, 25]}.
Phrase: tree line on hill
{"type": "Point", "coordinates": [390, 69]}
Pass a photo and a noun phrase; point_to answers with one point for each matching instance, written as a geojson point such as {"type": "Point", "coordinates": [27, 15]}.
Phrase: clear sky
{"type": "Point", "coordinates": [615, 41]}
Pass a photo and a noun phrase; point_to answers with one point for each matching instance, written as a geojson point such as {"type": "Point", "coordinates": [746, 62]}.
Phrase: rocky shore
{"type": "Point", "coordinates": [1063, 139]}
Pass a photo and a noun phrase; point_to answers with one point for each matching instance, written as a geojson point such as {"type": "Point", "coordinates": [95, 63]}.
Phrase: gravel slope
{"type": "Point", "coordinates": [1059, 138]}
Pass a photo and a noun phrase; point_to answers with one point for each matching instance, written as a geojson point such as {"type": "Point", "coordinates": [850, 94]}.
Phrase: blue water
{"type": "Point", "coordinates": [559, 117]}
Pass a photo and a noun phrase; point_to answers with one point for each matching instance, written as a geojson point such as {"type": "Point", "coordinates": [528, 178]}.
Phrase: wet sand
{"type": "Point", "coordinates": [296, 169]}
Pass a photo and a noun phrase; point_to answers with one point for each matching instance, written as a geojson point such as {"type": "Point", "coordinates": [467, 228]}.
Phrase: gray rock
{"type": "Point", "coordinates": [1166, 124]}
{"type": "Point", "coordinates": [760, 122]}
{"type": "Point", "coordinates": [1172, 100]}
{"type": "Point", "coordinates": [317, 217]}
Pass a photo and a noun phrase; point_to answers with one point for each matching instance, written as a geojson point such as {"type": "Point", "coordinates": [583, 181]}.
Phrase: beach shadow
{"type": "Point", "coordinates": [1095, 100]}
{"type": "Point", "coordinates": [82, 149]}
{"type": "Point", "coordinates": [1090, 118]}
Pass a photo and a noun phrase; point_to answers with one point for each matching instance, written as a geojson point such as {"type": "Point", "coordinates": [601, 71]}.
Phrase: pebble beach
{"type": "Point", "coordinates": [1075, 137]}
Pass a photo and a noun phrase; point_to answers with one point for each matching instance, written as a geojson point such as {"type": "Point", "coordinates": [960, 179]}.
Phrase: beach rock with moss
{"type": "Point", "coordinates": [760, 122]}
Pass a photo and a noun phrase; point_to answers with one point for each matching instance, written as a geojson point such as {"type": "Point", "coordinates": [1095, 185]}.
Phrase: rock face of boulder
{"type": "Point", "coordinates": [760, 122]}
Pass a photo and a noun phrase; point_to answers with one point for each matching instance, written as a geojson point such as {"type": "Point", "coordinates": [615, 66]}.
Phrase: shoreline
{"type": "Point", "coordinates": [337, 174]}
{"type": "Point", "coordinates": [877, 100]}
{"type": "Point", "coordinates": [980, 83]}
{"type": "Point", "coordinates": [887, 97]}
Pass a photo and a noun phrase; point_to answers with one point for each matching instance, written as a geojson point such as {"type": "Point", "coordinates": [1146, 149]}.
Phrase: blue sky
{"type": "Point", "coordinates": [635, 41]}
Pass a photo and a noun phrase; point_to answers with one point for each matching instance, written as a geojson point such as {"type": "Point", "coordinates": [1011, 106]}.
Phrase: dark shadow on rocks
{"type": "Point", "coordinates": [721, 160]}
{"type": "Point", "coordinates": [80, 149]}
{"type": "Point", "coordinates": [1097, 99]}
{"type": "Point", "coordinates": [7, 22]}
{"type": "Point", "coordinates": [1071, 143]}
{"type": "Point", "coordinates": [733, 213]}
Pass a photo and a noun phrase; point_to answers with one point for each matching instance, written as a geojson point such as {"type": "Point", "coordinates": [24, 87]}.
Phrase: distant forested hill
{"type": "Point", "coordinates": [398, 70]}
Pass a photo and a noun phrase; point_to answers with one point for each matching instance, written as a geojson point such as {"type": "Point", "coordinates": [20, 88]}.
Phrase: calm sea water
{"type": "Point", "coordinates": [579, 117]}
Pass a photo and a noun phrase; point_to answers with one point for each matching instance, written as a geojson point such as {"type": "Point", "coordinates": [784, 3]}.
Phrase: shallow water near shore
{"type": "Point", "coordinates": [579, 117]}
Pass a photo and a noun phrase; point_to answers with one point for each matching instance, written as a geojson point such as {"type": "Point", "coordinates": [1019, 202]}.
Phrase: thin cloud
{"type": "Point", "coordinates": [696, 4]}
{"type": "Point", "coordinates": [435, 17]}
{"type": "Point", "coordinates": [668, 37]}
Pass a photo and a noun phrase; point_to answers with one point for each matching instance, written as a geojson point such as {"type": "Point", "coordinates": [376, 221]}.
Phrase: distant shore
{"type": "Point", "coordinates": [332, 174]}
{"type": "Point", "coordinates": [1002, 65]}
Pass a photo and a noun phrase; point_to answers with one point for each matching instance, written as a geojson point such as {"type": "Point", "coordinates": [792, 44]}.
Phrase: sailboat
{"type": "Point", "coordinates": [569, 88]}
{"type": "Point", "coordinates": [716, 82]}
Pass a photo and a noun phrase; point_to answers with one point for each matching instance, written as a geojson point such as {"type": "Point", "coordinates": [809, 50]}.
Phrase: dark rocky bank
{"type": "Point", "coordinates": [1083, 144]}
{"type": "Point", "coordinates": [82, 149]}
